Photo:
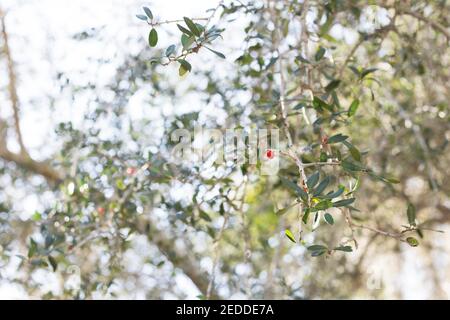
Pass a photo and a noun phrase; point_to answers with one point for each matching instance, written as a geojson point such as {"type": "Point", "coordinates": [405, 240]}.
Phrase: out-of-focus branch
{"type": "Point", "coordinates": [38, 167]}
{"type": "Point", "coordinates": [12, 86]}
{"type": "Point", "coordinates": [434, 24]}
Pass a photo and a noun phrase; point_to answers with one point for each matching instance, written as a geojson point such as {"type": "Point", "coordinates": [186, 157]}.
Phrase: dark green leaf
{"type": "Point", "coordinates": [365, 72]}
{"type": "Point", "coordinates": [153, 37]}
{"type": "Point", "coordinates": [148, 12]}
{"type": "Point", "coordinates": [328, 218]}
{"type": "Point", "coordinates": [411, 213]}
{"type": "Point", "coordinates": [170, 49]}
{"type": "Point", "coordinates": [53, 263]}
{"type": "Point", "coordinates": [335, 194]}
{"type": "Point", "coordinates": [184, 30]}
{"type": "Point", "coordinates": [320, 53]}
{"type": "Point", "coordinates": [344, 248]}
{"type": "Point", "coordinates": [321, 187]}
{"type": "Point", "coordinates": [312, 180]}
{"type": "Point", "coordinates": [141, 17]}
{"type": "Point", "coordinates": [205, 216]}
{"type": "Point", "coordinates": [351, 166]}
{"type": "Point", "coordinates": [294, 187]}
{"type": "Point", "coordinates": [343, 203]}
{"type": "Point", "coordinates": [319, 104]}
{"type": "Point", "coordinates": [221, 55]}
{"type": "Point", "coordinates": [353, 107]}
{"type": "Point", "coordinates": [192, 26]}
{"type": "Point", "coordinates": [353, 151]}
{"type": "Point", "coordinates": [322, 205]}
{"type": "Point", "coordinates": [337, 138]}
{"type": "Point", "coordinates": [332, 85]}
{"type": "Point", "coordinates": [306, 216]}
{"type": "Point", "coordinates": [32, 248]}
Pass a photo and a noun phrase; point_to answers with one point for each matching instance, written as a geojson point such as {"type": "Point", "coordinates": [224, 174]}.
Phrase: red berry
{"type": "Point", "coordinates": [131, 171]}
{"type": "Point", "coordinates": [101, 211]}
{"type": "Point", "coordinates": [270, 154]}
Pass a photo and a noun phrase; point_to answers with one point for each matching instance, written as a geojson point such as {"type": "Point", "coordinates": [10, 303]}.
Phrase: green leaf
{"type": "Point", "coordinates": [187, 41]}
{"type": "Point", "coordinates": [411, 213]}
{"type": "Point", "coordinates": [221, 55]}
{"type": "Point", "coordinates": [343, 203]}
{"type": "Point", "coordinates": [344, 248]}
{"type": "Point", "coordinates": [290, 236]}
{"type": "Point", "coordinates": [413, 242]}
{"type": "Point", "coordinates": [365, 72]}
{"type": "Point", "coordinates": [306, 215]}
{"type": "Point", "coordinates": [353, 107]}
{"type": "Point", "coordinates": [53, 263]}
{"type": "Point", "coordinates": [184, 30]}
{"type": "Point", "coordinates": [334, 194]}
{"type": "Point", "coordinates": [312, 180]}
{"type": "Point", "coordinates": [286, 209]}
{"type": "Point", "coordinates": [323, 157]}
{"type": "Point", "coordinates": [332, 85]}
{"type": "Point", "coordinates": [294, 187]}
{"type": "Point", "coordinates": [322, 205]}
{"type": "Point", "coordinates": [317, 250]}
{"type": "Point", "coordinates": [184, 67]}
{"type": "Point", "coordinates": [337, 138]}
{"type": "Point", "coordinates": [328, 218]}
{"type": "Point", "coordinates": [319, 104]}
{"type": "Point", "coordinates": [170, 49]}
{"type": "Point", "coordinates": [153, 37]}
{"type": "Point", "coordinates": [148, 12]}
{"type": "Point", "coordinates": [321, 187]}
{"type": "Point", "coordinates": [141, 17]}
{"type": "Point", "coordinates": [205, 216]}
{"type": "Point", "coordinates": [192, 26]}
{"type": "Point", "coordinates": [354, 152]}
{"type": "Point", "coordinates": [32, 248]}
{"type": "Point", "coordinates": [351, 166]}
{"type": "Point", "coordinates": [320, 53]}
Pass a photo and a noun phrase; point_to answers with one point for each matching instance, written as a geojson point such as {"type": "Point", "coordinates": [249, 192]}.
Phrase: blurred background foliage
{"type": "Point", "coordinates": [92, 205]}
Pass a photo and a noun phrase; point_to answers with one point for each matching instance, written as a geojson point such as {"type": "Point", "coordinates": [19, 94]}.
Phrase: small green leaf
{"type": "Point", "coordinates": [221, 55]}
{"type": "Point", "coordinates": [306, 215]}
{"type": "Point", "coordinates": [53, 263]}
{"type": "Point", "coordinates": [344, 248]}
{"type": "Point", "coordinates": [411, 213]}
{"type": "Point", "coordinates": [351, 166]}
{"type": "Point", "coordinates": [184, 30]}
{"type": "Point", "coordinates": [312, 180]}
{"type": "Point", "coordinates": [332, 85]}
{"type": "Point", "coordinates": [321, 187]}
{"type": "Point", "coordinates": [353, 107]}
{"type": "Point", "coordinates": [192, 26]}
{"type": "Point", "coordinates": [294, 187]}
{"type": "Point", "coordinates": [320, 53]}
{"type": "Point", "coordinates": [322, 205]}
{"type": "Point", "coordinates": [328, 218]}
{"type": "Point", "coordinates": [205, 216]}
{"type": "Point", "coordinates": [141, 17]}
{"type": "Point", "coordinates": [317, 250]}
{"type": "Point", "coordinates": [187, 41]}
{"type": "Point", "coordinates": [290, 236]}
{"type": "Point", "coordinates": [184, 67]}
{"type": "Point", "coordinates": [153, 37]}
{"type": "Point", "coordinates": [170, 49]}
{"type": "Point", "coordinates": [343, 203]}
{"type": "Point", "coordinates": [284, 210]}
{"type": "Point", "coordinates": [337, 138]}
{"type": "Point", "coordinates": [148, 12]}
{"type": "Point", "coordinates": [365, 72]}
{"type": "Point", "coordinates": [323, 157]}
{"type": "Point", "coordinates": [354, 152]}
{"type": "Point", "coordinates": [412, 241]}
{"type": "Point", "coordinates": [319, 104]}
{"type": "Point", "coordinates": [334, 194]}
{"type": "Point", "coordinates": [32, 248]}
